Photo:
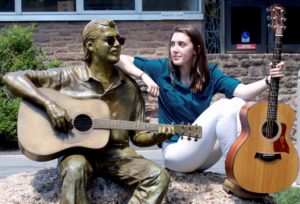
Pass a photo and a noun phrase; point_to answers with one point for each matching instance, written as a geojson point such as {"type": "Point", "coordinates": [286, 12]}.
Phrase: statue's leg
{"type": "Point", "coordinates": [75, 172]}
{"type": "Point", "coordinates": [151, 179]}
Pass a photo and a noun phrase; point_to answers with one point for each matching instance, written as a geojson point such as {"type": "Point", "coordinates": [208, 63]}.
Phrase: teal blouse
{"type": "Point", "coordinates": [177, 103]}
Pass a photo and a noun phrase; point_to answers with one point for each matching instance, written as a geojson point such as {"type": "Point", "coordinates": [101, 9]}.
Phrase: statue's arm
{"type": "Point", "coordinates": [24, 85]}
{"type": "Point", "coordinates": [147, 138]}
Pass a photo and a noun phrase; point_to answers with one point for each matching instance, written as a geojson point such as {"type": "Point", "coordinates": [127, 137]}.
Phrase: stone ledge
{"type": "Point", "coordinates": [43, 187]}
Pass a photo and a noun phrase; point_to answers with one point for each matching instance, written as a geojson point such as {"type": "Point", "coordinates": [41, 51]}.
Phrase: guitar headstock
{"type": "Point", "coordinates": [276, 18]}
{"type": "Point", "coordinates": [188, 130]}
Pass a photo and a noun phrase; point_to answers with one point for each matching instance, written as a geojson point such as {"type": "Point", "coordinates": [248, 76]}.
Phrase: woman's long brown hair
{"type": "Point", "coordinates": [199, 69]}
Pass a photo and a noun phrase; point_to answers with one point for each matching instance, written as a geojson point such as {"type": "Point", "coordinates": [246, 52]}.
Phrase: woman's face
{"type": "Point", "coordinates": [181, 50]}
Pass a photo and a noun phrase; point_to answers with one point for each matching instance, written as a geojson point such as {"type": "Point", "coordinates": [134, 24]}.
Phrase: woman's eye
{"type": "Point", "coordinates": [172, 44]}
{"type": "Point", "coordinates": [182, 44]}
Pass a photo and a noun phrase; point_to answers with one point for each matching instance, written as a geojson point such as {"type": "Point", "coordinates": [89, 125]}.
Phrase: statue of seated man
{"type": "Point", "coordinates": [98, 79]}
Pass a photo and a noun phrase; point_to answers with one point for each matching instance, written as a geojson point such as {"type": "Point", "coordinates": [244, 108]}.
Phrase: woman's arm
{"type": "Point", "coordinates": [254, 89]}
{"type": "Point", "coordinates": [126, 65]}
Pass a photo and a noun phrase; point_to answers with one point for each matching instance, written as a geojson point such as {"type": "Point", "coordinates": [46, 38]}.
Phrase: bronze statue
{"type": "Point", "coordinates": [99, 79]}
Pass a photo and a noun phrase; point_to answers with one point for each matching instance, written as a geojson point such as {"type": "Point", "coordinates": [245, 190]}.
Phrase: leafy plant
{"type": "Point", "coordinates": [8, 114]}
{"type": "Point", "coordinates": [17, 53]}
{"type": "Point", "coordinates": [16, 50]}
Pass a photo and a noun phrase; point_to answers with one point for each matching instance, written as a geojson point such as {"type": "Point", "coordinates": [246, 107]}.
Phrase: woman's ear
{"type": "Point", "coordinates": [198, 49]}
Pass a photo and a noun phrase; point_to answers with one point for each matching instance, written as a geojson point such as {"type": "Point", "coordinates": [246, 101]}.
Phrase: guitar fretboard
{"type": "Point", "coordinates": [274, 88]}
{"type": "Point", "coordinates": [125, 125]}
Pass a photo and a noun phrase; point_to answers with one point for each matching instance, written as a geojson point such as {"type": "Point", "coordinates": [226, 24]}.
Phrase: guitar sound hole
{"type": "Point", "coordinates": [83, 123]}
{"type": "Point", "coordinates": [270, 129]}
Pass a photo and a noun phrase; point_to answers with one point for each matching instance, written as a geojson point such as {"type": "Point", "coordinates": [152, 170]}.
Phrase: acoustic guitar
{"type": "Point", "coordinates": [263, 158]}
{"type": "Point", "coordinates": [92, 124]}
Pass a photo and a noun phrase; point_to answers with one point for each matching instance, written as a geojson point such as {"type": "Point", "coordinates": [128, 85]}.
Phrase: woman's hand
{"type": "Point", "coordinates": [277, 71]}
{"type": "Point", "coordinates": [152, 87]}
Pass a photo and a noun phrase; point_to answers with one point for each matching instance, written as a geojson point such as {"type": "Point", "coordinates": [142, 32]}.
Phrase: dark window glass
{"type": "Point", "coordinates": [245, 21]}
{"type": "Point", "coordinates": [109, 5]}
{"type": "Point", "coordinates": [251, 16]}
{"type": "Point", "coordinates": [46, 5]}
{"type": "Point", "coordinates": [170, 5]}
{"type": "Point", "coordinates": [7, 5]}
{"type": "Point", "coordinates": [291, 35]}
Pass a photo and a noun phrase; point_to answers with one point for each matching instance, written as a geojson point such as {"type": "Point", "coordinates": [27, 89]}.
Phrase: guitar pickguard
{"type": "Point", "coordinates": [280, 145]}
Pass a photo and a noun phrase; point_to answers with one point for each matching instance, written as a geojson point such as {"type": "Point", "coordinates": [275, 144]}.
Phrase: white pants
{"type": "Point", "coordinates": [220, 127]}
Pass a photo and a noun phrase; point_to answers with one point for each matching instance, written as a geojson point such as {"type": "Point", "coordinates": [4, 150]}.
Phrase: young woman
{"type": "Point", "coordinates": [185, 84]}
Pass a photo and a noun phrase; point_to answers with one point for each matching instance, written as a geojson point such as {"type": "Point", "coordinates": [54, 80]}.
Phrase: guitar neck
{"type": "Point", "coordinates": [274, 87]}
{"type": "Point", "coordinates": [277, 56]}
{"type": "Point", "coordinates": [187, 130]}
{"type": "Point", "coordinates": [124, 125]}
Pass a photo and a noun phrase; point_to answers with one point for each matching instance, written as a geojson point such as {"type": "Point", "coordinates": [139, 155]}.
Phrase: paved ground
{"type": "Point", "coordinates": [13, 162]}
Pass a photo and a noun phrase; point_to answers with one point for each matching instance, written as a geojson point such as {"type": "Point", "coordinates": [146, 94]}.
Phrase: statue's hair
{"type": "Point", "coordinates": [91, 32]}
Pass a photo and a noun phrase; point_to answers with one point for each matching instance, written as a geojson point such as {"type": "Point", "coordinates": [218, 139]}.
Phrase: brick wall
{"type": "Point", "coordinates": [62, 40]}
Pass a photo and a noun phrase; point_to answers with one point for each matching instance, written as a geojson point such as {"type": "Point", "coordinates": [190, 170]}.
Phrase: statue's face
{"type": "Point", "coordinates": [107, 47]}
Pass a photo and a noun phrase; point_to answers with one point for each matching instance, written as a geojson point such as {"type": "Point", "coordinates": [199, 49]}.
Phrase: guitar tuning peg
{"type": "Point", "coordinates": [268, 9]}
{"type": "Point", "coordinates": [189, 138]}
{"type": "Point", "coordinates": [196, 139]}
{"type": "Point", "coordinates": [268, 18]}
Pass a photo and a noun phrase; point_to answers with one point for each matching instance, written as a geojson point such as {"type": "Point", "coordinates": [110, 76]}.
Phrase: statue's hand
{"type": "Point", "coordinates": [165, 132]}
{"type": "Point", "coordinates": [58, 117]}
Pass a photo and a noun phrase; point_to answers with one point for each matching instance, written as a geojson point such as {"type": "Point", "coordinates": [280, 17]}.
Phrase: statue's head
{"type": "Point", "coordinates": [99, 38]}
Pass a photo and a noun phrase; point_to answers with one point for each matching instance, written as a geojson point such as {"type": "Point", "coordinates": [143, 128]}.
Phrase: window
{"type": "Point", "coordinates": [109, 5]}
{"type": "Point", "coordinates": [291, 35]}
{"type": "Point", "coordinates": [7, 6]}
{"type": "Point", "coordinates": [245, 31]}
{"type": "Point", "coordinates": [43, 5]}
{"type": "Point", "coordinates": [167, 5]}
{"type": "Point", "coordinates": [247, 26]}
{"type": "Point", "coordinates": [82, 10]}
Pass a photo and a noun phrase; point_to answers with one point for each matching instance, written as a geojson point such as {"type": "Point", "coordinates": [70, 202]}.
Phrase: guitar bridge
{"type": "Point", "coordinates": [267, 157]}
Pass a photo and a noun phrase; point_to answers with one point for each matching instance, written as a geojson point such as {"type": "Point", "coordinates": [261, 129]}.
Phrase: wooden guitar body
{"type": "Point", "coordinates": [260, 163]}
{"type": "Point", "coordinates": [39, 141]}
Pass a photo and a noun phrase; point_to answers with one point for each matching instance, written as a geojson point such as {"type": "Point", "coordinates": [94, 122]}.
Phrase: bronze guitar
{"type": "Point", "coordinates": [263, 159]}
{"type": "Point", "coordinates": [91, 120]}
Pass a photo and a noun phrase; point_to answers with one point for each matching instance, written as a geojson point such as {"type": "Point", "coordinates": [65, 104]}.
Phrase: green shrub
{"type": "Point", "coordinates": [16, 50]}
{"type": "Point", "coordinates": [8, 114]}
{"type": "Point", "coordinates": [17, 53]}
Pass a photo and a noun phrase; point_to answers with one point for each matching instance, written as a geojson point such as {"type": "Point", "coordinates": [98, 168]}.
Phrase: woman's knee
{"type": "Point", "coordinates": [231, 107]}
